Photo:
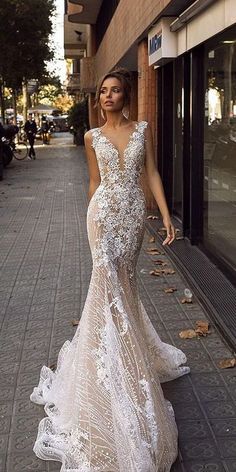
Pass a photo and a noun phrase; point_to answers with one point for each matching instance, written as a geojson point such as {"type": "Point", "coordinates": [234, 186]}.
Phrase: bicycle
{"type": "Point", "coordinates": [19, 149]}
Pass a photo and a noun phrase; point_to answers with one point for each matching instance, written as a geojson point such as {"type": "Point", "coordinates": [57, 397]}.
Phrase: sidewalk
{"type": "Point", "coordinates": [45, 272]}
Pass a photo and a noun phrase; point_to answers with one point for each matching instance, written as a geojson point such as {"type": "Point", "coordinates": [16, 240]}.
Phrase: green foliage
{"type": "Point", "coordinates": [26, 26]}
{"type": "Point", "coordinates": [78, 115]}
{"type": "Point", "coordinates": [48, 93]}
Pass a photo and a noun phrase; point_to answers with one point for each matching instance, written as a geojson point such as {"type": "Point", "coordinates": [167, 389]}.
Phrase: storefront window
{"type": "Point", "coordinates": [220, 150]}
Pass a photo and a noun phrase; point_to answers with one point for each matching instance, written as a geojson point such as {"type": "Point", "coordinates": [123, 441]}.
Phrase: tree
{"type": "Point", "coordinates": [78, 119]}
{"type": "Point", "coordinates": [25, 30]}
{"type": "Point", "coordinates": [63, 102]}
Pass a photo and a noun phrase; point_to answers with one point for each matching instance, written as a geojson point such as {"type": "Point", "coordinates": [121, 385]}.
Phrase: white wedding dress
{"type": "Point", "coordinates": [104, 403]}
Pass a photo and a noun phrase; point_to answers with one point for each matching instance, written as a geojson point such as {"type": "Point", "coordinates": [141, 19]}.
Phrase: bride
{"type": "Point", "coordinates": [104, 403]}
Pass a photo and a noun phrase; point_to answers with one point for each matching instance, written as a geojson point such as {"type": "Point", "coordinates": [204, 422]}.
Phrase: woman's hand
{"type": "Point", "coordinates": [170, 231]}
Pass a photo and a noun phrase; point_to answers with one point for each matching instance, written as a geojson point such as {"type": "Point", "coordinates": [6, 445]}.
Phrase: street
{"type": "Point", "coordinates": [45, 272]}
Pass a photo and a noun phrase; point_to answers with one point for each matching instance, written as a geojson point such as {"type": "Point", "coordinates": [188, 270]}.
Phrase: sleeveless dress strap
{"type": "Point", "coordinates": [142, 125]}
{"type": "Point", "coordinates": [95, 136]}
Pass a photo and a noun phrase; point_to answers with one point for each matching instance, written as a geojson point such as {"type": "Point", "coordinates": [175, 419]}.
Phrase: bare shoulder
{"type": "Point", "coordinates": [88, 137]}
{"type": "Point", "coordinates": [147, 129]}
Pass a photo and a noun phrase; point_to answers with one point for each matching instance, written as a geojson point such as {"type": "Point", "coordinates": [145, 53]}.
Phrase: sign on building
{"type": "Point", "coordinates": [162, 43]}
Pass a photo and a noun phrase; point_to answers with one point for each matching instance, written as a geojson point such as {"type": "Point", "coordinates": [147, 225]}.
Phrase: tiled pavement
{"type": "Point", "coordinates": [45, 271]}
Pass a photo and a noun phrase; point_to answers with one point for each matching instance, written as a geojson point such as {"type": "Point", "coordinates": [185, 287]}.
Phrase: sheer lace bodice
{"type": "Point", "coordinates": [105, 406]}
{"type": "Point", "coordinates": [118, 205]}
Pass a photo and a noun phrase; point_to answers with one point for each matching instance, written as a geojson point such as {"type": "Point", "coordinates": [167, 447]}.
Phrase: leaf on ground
{"type": "Point", "coordinates": [227, 363]}
{"type": "Point", "coordinates": [152, 239]}
{"type": "Point", "coordinates": [160, 262]}
{"type": "Point", "coordinates": [202, 328]}
{"type": "Point", "coordinates": [153, 251]}
{"type": "Point", "coordinates": [186, 300]}
{"type": "Point", "coordinates": [187, 334]}
{"type": "Point", "coordinates": [168, 271]}
{"type": "Point", "coordinates": [170, 289]}
{"type": "Point", "coordinates": [155, 272]}
{"type": "Point", "coordinates": [75, 322]}
{"type": "Point", "coordinates": [152, 217]}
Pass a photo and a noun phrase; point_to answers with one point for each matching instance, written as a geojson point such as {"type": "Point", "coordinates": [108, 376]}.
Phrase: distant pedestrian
{"type": "Point", "coordinates": [45, 129]}
{"type": "Point", "coordinates": [30, 129]}
{"type": "Point", "coordinates": [1, 151]}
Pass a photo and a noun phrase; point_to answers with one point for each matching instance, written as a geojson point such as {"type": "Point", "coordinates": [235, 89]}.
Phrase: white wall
{"type": "Point", "coordinates": [219, 16]}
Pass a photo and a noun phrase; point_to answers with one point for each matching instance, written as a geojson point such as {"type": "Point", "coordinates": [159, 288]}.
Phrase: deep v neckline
{"type": "Point", "coordinates": [121, 158]}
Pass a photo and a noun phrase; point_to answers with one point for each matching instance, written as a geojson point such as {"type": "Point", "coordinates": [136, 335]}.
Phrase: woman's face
{"type": "Point", "coordinates": [111, 95]}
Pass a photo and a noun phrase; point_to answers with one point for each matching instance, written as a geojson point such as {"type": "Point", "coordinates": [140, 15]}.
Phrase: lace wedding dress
{"type": "Point", "coordinates": [105, 406]}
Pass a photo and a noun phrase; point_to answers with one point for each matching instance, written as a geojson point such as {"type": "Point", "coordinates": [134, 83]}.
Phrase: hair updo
{"type": "Point", "coordinates": [124, 76]}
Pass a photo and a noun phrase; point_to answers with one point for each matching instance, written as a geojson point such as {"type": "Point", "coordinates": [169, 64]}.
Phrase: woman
{"type": "Point", "coordinates": [105, 406]}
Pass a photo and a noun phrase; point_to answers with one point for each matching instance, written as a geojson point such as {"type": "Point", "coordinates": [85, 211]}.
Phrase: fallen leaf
{"type": "Point", "coordinates": [186, 300]}
{"type": "Point", "coordinates": [152, 217]}
{"type": "Point", "coordinates": [227, 363]}
{"type": "Point", "coordinates": [152, 249]}
{"type": "Point", "coordinates": [155, 272]}
{"type": "Point", "coordinates": [170, 290]}
{"type": "Point", "coordinates": [152, 239]}
{"type": "Point", "coordinates": [168, 271]}
{"type": "Point", "coordinates": [187, 334]}
{"type": "Point", "coordinates": [202, 327]}
{"type": "Point", "coordinates": [159, 262]}
{"type": "Point", "coordinates": [75, 322]}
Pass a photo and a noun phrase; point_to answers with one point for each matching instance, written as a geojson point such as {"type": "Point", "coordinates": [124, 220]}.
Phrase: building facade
{"type": "Point", "coordinates": [182, 55]}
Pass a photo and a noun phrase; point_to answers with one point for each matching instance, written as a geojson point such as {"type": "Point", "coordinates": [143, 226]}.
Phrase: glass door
{"type": "Point", "coordinates": [178, 138]}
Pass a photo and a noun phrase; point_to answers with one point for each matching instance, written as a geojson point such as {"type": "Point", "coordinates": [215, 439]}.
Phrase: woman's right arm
{"type": "Point", "coordinates": [94, 174]}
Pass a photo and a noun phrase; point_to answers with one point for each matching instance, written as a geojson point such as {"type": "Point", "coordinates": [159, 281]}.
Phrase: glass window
{"type": "Point", "coordinates": [220, 148]}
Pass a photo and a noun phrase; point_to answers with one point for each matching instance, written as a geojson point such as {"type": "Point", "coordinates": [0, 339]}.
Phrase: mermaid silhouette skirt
{"type": "Point", "coordinates": [104, 403]}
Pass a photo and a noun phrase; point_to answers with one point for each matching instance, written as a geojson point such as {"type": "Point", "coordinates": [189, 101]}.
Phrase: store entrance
{"type": "Point", "coordinates": [178, 138]}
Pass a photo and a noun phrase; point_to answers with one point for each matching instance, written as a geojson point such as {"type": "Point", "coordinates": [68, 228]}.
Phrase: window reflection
{"type": "Point", "coordinates": [220, 150]}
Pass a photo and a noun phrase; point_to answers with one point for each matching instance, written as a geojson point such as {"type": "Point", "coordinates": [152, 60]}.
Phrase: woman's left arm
{"type": "Point", "coordinates": [156, 187]}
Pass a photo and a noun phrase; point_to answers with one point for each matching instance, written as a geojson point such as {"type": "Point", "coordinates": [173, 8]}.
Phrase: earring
{"type": "Point", "coordinates": [125, 112]}
{"type": "Point", "coordinates": [102, 115]}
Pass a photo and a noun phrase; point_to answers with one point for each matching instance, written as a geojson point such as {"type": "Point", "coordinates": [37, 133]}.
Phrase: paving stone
{"type": "Point", "coordinates": [5, 423]}
{"type": "Point", "coordinates": [25, 406]}
{"type": "Point", "coordinates": [25, 462]}
{"type": "Point", "coordinates": [203, 379]}
{"type": "Point", "coordinates": [190, 411]}
{"type": "Point", "coordinates": [204, 449]}
{"type": "Point", "coordinates": [3, 443]}
{"type": "Point", "coordinates": [220, 409]}
{"type": "Point", "coordinates": [197, 429]}
{"type": "Point", "coordinates": [225, 427]}
{"type": "Point", "coordinates": [3, 458]}
{"type": "Point", "coordinates": [24, 424]}
{"type": "Point", "coordinates": [200, 465]}
{"type": "Point", "coordinates": [207, 394]}
{"type": "Point", "coordinates": [231, 464]}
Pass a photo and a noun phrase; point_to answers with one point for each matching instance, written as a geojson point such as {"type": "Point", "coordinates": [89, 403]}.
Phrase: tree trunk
{"type": "Point", "coordinates": [2, 103]}
{"type": "Point", "coordinates": [14, 106]}
{"type": "Point", "coordinates": [25, 100]}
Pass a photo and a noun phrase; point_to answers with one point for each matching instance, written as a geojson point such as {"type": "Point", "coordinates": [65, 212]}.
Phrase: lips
{"type": "Point", "coordinates": [108, 102]}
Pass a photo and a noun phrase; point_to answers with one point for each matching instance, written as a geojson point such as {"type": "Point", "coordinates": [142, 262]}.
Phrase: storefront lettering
{"type": "Point", "coordinates": [155, 43]}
